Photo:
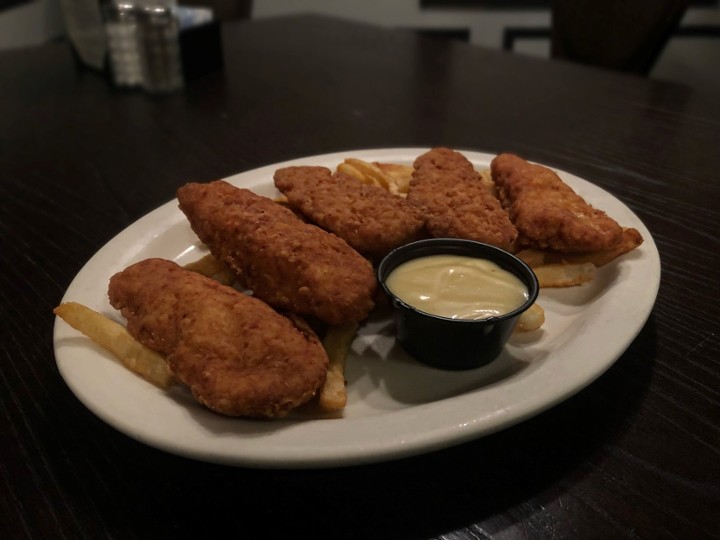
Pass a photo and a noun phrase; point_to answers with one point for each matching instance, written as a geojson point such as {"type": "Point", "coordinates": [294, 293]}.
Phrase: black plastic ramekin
{"type": "Point", "coordinates": [454, 344]}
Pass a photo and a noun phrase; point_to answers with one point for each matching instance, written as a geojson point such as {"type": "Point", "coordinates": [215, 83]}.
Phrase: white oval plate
{"type": "Point", "coordinates": [396, 406]}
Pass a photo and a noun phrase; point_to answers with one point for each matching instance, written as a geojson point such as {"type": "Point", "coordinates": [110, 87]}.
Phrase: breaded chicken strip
{"type": "Point", "coordinates": [369, 218]}
{"type": "Point", "coordinates": [547, 212]}
{"type": "Point", "coordinates": [238, 356]}
{"type": "Point", "coordinates": [287, 263]}
{"type": "Point", "coordinates": [455, 203]}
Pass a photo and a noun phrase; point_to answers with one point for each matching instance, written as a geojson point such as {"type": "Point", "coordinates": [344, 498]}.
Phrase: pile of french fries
{"type": "Point", "coordinates": [390, 176]}
{"type": "Point", "coordinates": [552, 270]}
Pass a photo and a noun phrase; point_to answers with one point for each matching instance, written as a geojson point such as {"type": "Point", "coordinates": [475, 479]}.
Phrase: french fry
{"type": "Point", "coordinates": [207, 265]}
{"type": "Point", "coordinates": [371, 171]}
{"type": "Point", "coordinates": [348, 169]}
{"type": "Point", "coordinates": [530, 320]}
{"type": "Point", "coordinates": [281, 200]}
{"type": "Point", "coordinates": [115, 338]}
{"type": "Point", "coordinates": [533, 257]}
{"type": "Point", "coordinates": [555, 269]}
{"type": "Point", "coordinates": [564, 275]}
{"type": "Point", "coordinates": [391, 177]}
{"type": "Point", "coordinates": [211, 267]}
{"type": "Point", "coordinates": [395, 170]}
{"type": "Point", "coordinates": [537, 257]}
{"type": "Point", "coordinates": [486, 179]}
{"type": "Point", "coordinates": [333, 394]}
{"type": "Point", "coordinates": [400, 176]}
{"type": "Point", "coordinates": [630, 240]}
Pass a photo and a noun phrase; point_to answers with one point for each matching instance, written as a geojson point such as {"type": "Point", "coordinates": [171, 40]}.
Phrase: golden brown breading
{"type": "Point", "coordinates": [369, 218]}
{"type": "Point", "coordinates": [547, 212]}
{"type": "Point", "coordinates": [455, 203]}
{"type": "Point", "coordinates": [238, 356]}
{"type": "Point", "coordinates": [287, 263]}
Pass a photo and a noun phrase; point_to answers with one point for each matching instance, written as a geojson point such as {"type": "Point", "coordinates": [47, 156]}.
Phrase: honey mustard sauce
{"type": "Point", "coordinates": [457, 287]}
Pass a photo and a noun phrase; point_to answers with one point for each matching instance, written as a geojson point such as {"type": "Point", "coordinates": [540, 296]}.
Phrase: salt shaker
{"type": "Point", "coordinates": [121, 28]}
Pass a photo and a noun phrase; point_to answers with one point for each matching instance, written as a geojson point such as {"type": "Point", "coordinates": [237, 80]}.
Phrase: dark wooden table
{"type": "Point", "coordinates": [635, 454]}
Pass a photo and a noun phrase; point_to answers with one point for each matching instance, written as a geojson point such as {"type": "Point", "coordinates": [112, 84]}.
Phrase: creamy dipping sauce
{"type": "Point", "coordinates": [457, 287]}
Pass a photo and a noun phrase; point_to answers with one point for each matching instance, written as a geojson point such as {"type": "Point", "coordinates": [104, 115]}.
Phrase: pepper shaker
{"type": "Point", "coordinates": [160, 47]}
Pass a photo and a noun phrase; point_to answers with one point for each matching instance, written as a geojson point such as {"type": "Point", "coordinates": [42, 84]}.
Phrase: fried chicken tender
{"type": "Point", "coordinates": [238, 356]}
{"type": "Point", "coordinates": [454, 201]}
{"type": "Point", "coordinates": [369, 218]}
{"type": "Point", "coordinates": [287, 263]}
{"type": "Point", "coordinates": [547, 212]}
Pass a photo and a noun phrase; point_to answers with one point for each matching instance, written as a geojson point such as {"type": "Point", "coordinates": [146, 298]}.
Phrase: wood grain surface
{"type": "Point", "coordinates": [636, 454]}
